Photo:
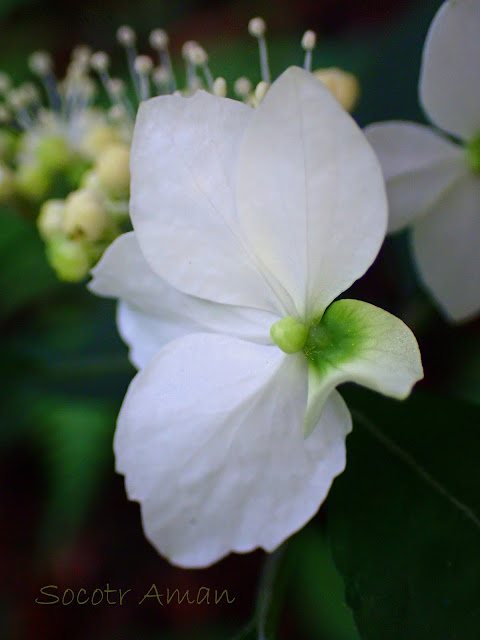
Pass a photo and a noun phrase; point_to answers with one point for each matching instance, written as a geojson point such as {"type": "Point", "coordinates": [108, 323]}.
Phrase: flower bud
{"type": "Point", "coordinates": [68, 258]}
{"type": "Point", "coordinates": [33, 182]}
{"type": "Point", "coordinates": [50, 219]}
{"type": "Point", "coordinates": [343, 85]}
{"type": "Point", "coordinates": [98, 139]}
{"type": "Point", "coordinates": [85, 214]}
{"type": "Point", "coordinates": [113, 170]}
{"type": "Point", "coordinates": [53, 153]}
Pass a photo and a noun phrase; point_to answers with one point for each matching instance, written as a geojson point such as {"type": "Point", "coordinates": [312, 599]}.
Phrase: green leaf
{"type": "Point", "coordinates": [24, 273]}
{"type": "Point", "coordinates": [77, 438]}
{"type": "Point", "coordinates": [404, 518]}
{"type": "Point", "coordinates": [316, 590]}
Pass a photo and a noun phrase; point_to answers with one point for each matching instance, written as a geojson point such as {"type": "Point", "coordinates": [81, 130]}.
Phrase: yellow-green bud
{"type": "Point", "coordinates": [33, 182]}
{"type": "Point", "coordinates": [53, 153]}
{"type": "Point", "coordinates": [7, 184]}
{"type": "Point", "coordinates": [289, 334]}
{"type": "Point", "coordinates": [90, 181]}
{"type": "Point", "coordinates": [85, 214]}
{"type": "Point", "coordinates": [113, 171]}
{"type": "Point", "coordinates": [8, 145]}
{"type": "Point", "coordinates": [50, 219]}
{"type": "Point", "coordinates": [99, 138]}
{"type": "Point", "coordinates": [68, 258]}
{"type": "Point", "coordinates": [343, 85]}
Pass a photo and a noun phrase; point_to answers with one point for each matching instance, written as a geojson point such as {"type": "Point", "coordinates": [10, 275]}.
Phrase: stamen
{"type": "Point", "coordinates": [100, 63]}
{"type": "Point", "coordinates": [159, 42]}
{"type": "Point", "coordinates": [199, 58]}
{"type": "Point", "coordinates": [161, 80]}
{"type": "Point", "coordinates": [220, 87]}
{"type": "Point", "coordinates": [143, 67]}
{"type": "Point", "coordinates": [82, 54]}
{"type": "Point", "coordinates": [261, 90]}
{"type": "Point", "coordinates": [17, 100]}
{"type": "Point", "coordinates": [242, 88]}
{"type": "Point", "coordinates": [191, 80]}
{"type": "Point", "coordinates": [257, 28]}
{"type": "Point", "coordinates": [127, 38]}
{"type": "Point", "coordinates": [41, 65]}
{"type": "Point", "coordinates": [309, 42]}
{"type": "Point", "coordinates": [117, 91]}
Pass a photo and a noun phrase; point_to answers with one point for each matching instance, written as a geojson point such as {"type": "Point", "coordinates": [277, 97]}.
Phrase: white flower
{"type": "Point", "coordinates": [433, 183]}
{"type": "Point", "coordinates": [246, 218]}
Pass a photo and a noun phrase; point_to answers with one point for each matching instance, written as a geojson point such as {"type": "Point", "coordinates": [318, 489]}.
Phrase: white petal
{"type": "Point", "coordinates": [447, 250]}
{"type": "Point", "coordinates": [153, 312]}
{"type": "Point", "coordinates": [449, 83]}
{"type": "Point", "coordinates": [418, 165]}
{"type": "Point", "coordinates": [310, 192]}
{"type": "Point", "coordinates": [182, 204]}
{"type": "Point", "coordinates": [363, 344]}
{"type": "Point", "coordinates": [210, 441]}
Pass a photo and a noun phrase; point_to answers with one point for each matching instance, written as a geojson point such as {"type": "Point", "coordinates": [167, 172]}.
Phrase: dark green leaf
{"type": "Point", "coordinates": [404, 518]}
{"type": "Point", "coordinates": [77, 437]}
{"type": "Point", "coordinates": [24, 273]}
{"type": "Point", "coordinates": [316, 589]}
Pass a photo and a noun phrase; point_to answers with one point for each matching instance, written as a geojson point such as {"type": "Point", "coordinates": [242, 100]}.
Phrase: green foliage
{"type": "Point", "coordinates": [404, 518]}
{"type": "Point", "coordinates": [77, 436]}
{"type": "Point", "coordinates": [317, 591]}
{"type": "Point", "coordinates": [24, 273]}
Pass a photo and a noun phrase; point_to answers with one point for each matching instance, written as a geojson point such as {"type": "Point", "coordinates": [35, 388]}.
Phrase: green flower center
{"type": "Point", "coordinates": [472, 154]}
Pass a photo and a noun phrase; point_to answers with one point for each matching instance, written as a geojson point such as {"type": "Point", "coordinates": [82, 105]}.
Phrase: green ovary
{"type": "Point", "coordinates": [289, 334]}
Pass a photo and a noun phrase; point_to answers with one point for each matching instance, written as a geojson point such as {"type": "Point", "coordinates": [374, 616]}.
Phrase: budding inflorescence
{"type": "Point", "coordinates": [57, 132]}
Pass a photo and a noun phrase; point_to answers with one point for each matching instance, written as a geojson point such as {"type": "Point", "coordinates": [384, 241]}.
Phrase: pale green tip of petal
{"type": "Point", "coordinates": [357, 342]}
{"type": "Point", "coordinates": [289, 334]}
{"type": "Point", "coordinates": [472, 154]}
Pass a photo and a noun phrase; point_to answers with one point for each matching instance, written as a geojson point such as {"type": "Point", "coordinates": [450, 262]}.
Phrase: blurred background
{"type": "Point", "coordinates": [65, 519]}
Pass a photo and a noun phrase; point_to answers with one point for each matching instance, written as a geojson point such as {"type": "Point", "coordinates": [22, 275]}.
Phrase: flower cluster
{"type": "Point", "coordinates": [68, 158]}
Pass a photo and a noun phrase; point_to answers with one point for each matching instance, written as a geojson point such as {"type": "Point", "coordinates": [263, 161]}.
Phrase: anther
{"type": "Point", "coordinates": [158, 39]}
{"type": "Point", "coordinates": [40, 63]}
{"type": "Point", "coordinates": [261, 91]}
{"type": "Point", "coordinates": [220, 87]}
{"type": "Point", "coordinates": [257, 27]}
{"type": "Point", "coordinates": [126, 36]}
{"type": "Point", "coordinates": [242, 87]}
{"type": "Point", "coordinates": [100, 61]}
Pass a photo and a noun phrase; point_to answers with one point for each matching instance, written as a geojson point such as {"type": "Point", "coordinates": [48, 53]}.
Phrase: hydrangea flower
{"type": "Point", "coordinates": [248, 224]}
{"type": "Point", "coordinates": [433, 180]}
